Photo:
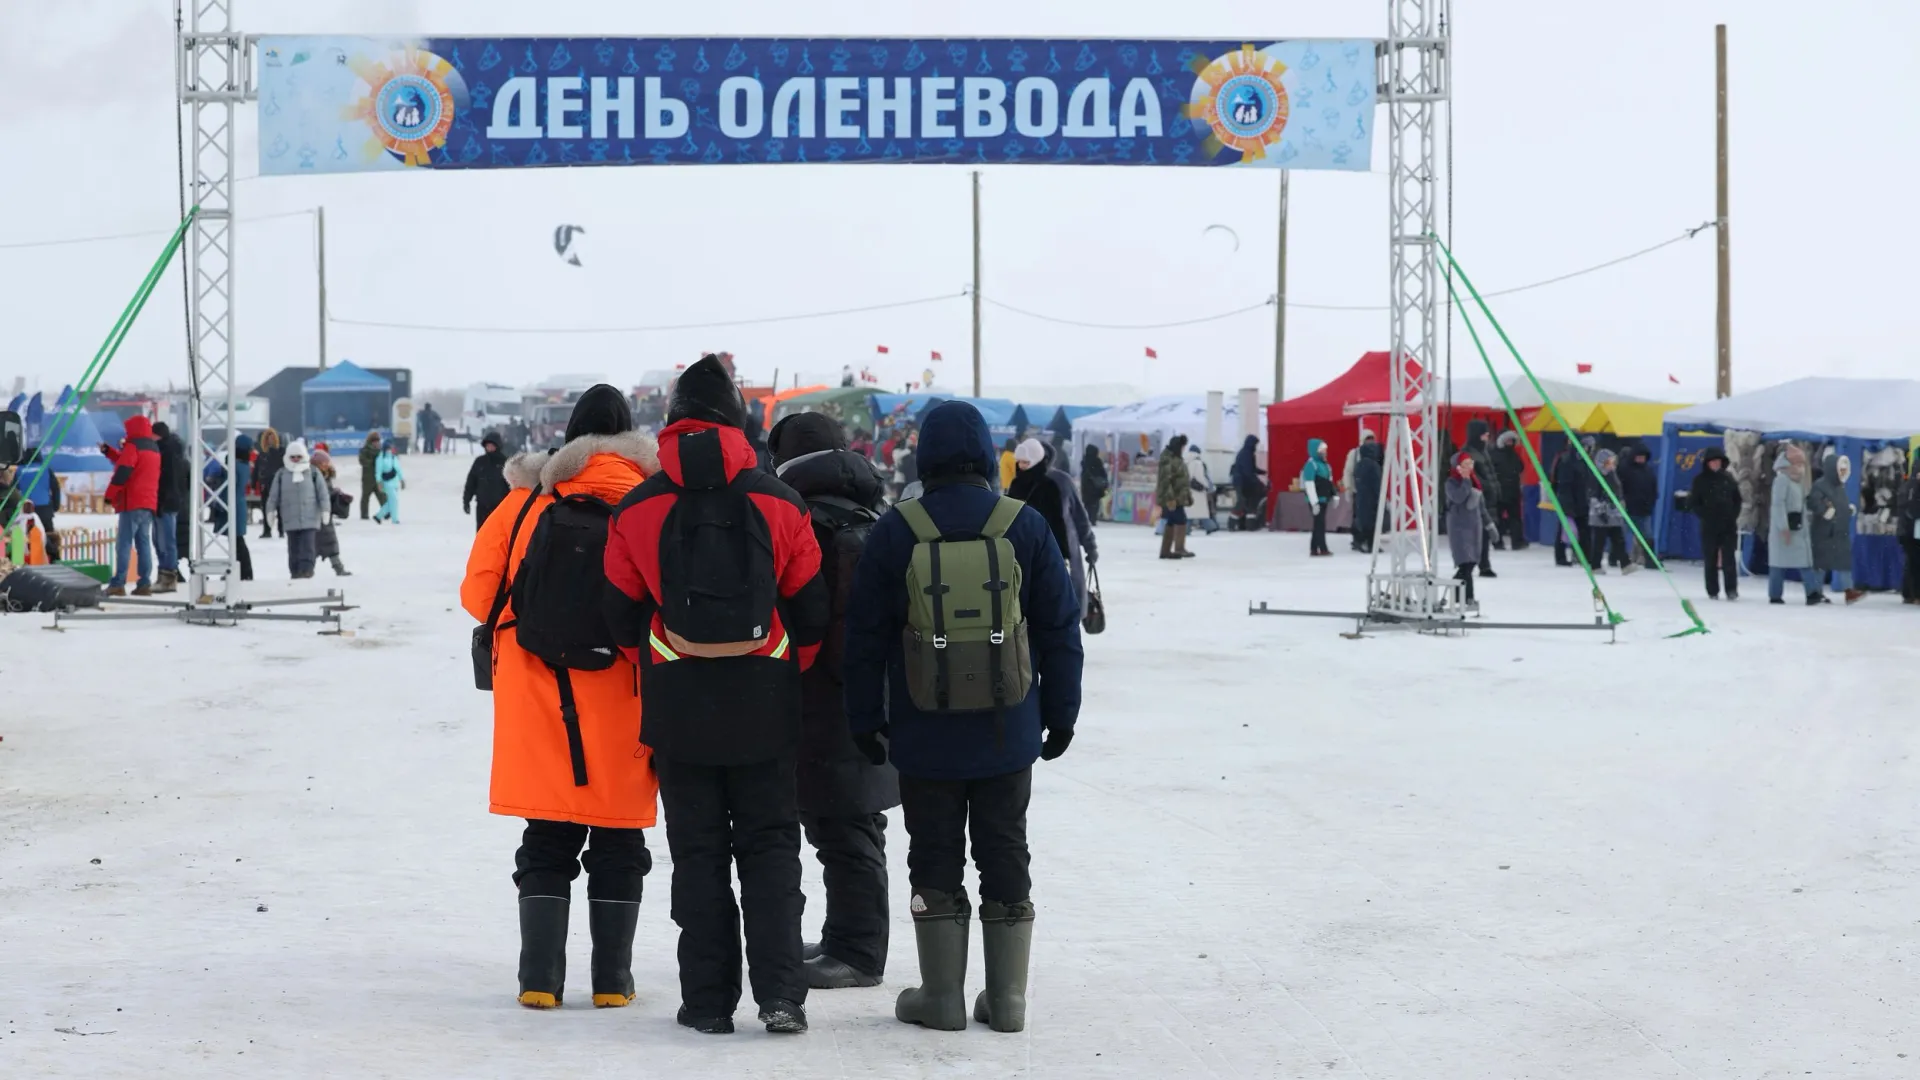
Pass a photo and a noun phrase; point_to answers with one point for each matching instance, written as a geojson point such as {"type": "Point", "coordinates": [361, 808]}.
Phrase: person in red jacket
{"type": "Point", "coordinates": [134, 494]}
{"type": "Point", "coordinates": [716, 594]}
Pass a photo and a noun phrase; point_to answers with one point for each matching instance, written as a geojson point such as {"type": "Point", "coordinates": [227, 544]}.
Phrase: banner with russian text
{"type": "Point", "coordinates": [353, 104]}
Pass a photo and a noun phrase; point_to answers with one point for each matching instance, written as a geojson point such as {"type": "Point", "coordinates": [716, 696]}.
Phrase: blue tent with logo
{"type": "Point", "coordinates": [344, 403]}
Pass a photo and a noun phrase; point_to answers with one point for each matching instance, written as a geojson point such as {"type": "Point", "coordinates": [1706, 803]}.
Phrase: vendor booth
{"type": "Point", "coordinates": [342, 404]}
{"type": "Point", "coordinates": [851, 405]}
{"type": "Point", "coordinates": [1132, 436]}
{"type": "Point", "coordinates": [1615, 425]}
{"type": "Point", "coordinates": [1869, 421]}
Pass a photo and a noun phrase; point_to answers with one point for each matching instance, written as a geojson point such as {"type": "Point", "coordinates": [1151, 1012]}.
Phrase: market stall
{"type": "Point", "coordinates": [1869, 421]}
{"type": "Point", "coordinates": [1132, 436]}
{"type": "Point", "coordinates": [1615, 425]}
{"type": "Point", "coordinates": [342, 404]}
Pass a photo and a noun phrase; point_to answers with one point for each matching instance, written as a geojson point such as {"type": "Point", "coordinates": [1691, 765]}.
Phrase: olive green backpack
{"type": "Point", "coordinates": [966, 639]}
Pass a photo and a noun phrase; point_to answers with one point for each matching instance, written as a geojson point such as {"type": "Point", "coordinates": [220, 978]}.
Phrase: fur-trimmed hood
{"type": "Point", "coordinates": [549, 467]}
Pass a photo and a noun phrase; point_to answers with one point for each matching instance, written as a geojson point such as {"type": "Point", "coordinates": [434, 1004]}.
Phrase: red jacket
{"type": "Point", "coordinates": [737, 703]}
{"type": "Point", "coordinates": [136, 469]}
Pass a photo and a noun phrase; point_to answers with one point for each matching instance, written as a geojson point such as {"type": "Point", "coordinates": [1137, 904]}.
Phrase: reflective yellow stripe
{"type": "Point", "coordinates": [661, 646]}
{"type": "Point", "coordinates": [780, 650]}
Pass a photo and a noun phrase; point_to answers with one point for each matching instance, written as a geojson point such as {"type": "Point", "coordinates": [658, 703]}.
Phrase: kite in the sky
{"type": "Point", "coordinates": [1231, 235]}
{"type": "Point", "coordinates": [563, 243]}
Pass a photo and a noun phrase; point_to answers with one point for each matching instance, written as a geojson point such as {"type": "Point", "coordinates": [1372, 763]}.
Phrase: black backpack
{"type": "Point", "coordinates": [716, 552]}
{"type": "Point", "coordinates": [841, 526]}
{"type": "Point", "coordinates": [557, 590]}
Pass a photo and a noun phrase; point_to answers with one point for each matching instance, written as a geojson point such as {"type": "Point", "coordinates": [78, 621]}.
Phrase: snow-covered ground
{"type": "Point", "coordinates": [1271, 851]}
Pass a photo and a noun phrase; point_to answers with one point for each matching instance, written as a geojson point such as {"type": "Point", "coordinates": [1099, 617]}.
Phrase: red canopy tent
{"type": "Point", "coordinates": [1324, 414]}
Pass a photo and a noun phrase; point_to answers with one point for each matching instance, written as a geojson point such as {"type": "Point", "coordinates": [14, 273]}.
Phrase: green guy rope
{"type": "Point", "coordinates": [1699, 626]}
{"type": "Point", "coordinates": [1546, 483]}
{"type": "Point", "coordinates": [90, 378]}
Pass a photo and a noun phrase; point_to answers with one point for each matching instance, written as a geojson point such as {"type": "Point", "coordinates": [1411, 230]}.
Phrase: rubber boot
{"type": "Point", "coordinates": [1166, 542]}
{"type": "Point", "coordinates": [940, 932]}
{"type": "Point", "coordinates": [611, 922]}
{"type": "Point", "coordinates": [1006, 937]}
{"type": "Point", "coordinates": [543, 951]}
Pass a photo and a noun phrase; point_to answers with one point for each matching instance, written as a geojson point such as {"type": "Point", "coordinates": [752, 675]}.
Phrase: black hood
{"type": "Point", "coordinates": [833, 472]}
{"type": "Point", "coordinates": [954, 441]}
{"type": "Point", "coordinates": [706, 391]}
{"type": "Point", "coordinates": [1371, 451]}
{"type": "Point", "coordinates": [1715, 454]}
{"type": "Point", "coordinates": [804, 433]}
{"type": "Point", "coordinates": [1477, 434]}
{"type": "Point", "coordinates": [602, 410]}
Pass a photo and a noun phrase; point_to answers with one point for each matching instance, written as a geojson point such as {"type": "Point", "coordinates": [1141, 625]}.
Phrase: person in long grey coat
{"type": "Point", "coordinates": [1831, 516]}
{"type": "Point", "coordinates": [300, 501]}
{"type": "Point", "coordinates": [1466, 509]}
{"type": "Point", "coordinates": [1789, 540]}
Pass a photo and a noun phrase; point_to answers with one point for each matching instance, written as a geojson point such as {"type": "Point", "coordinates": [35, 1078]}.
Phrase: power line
{"type": "Point", "coordinates": [1268, 302]}
{"type": "Point", "coordinates": [19, 245]}
{"type": "Point", "coordinates": [660, 328]}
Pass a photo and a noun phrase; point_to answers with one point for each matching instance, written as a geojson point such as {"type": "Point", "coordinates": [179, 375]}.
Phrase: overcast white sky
{"type": "Point", "coordinates": [1585, 131]}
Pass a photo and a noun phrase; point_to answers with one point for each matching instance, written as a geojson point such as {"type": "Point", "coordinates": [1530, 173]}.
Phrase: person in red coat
{"type": "Point", "coordinates": [134, 494]}
{"type": "Point", "coordinates": [716, 594]}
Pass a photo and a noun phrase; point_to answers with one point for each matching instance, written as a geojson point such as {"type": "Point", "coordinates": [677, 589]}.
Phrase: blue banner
{"type": "Point", "coordinates": [354, 104]}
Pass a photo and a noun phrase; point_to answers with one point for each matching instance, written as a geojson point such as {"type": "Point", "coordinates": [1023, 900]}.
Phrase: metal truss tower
{"type": "Point", "coordinates": [1415, 81]}
{"type": "Point", "coordinates": [215, 66]}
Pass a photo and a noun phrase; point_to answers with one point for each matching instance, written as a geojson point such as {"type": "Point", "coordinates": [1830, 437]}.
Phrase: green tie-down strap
{"type": "Point", "coordinates": [1698, 626]}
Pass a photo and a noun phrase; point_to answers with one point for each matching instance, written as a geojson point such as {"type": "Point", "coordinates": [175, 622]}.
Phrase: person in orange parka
{"type": "Point", "coordinates": [533, 770]}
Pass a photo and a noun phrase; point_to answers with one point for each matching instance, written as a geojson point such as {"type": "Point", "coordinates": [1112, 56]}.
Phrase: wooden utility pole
{"type": "Point", "coordinates": [321, 221]}
{"type": "Point", "coordinates": [1723, 323]}
{"type": "Point", "coordinates": [1280, 303]}
{"type": "Point", "coordinates": [976, 283]}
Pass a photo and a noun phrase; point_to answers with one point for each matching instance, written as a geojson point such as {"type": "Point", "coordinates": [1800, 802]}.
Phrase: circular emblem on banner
{"type": "Point", "coordinates": [1241, 98]}
{"type": "Point", "coordinates": [410, 103]}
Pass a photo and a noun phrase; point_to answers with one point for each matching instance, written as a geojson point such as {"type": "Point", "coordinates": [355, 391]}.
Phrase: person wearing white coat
{"type": "Point", "coordinates": [301, 501]}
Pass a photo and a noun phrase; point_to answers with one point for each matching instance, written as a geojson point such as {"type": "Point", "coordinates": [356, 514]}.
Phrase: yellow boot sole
{"type": "Point", "coordinates": [612, 1001]}
{"type": "Point", "coordinates": [539, 999]}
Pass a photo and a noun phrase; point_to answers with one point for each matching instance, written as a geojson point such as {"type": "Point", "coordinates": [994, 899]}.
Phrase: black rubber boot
{"type": "Point", "coordinates": [783, 1017]}
{"type": "Point", "coordinates": [1006, 937]}
{"type": "Point", "coordinates": [705, 1025]}
{"type": "Point", "coordinates": [612, 923]}
{"type": "Point", "coordinates": [543, 951]}
{"type": "Point", "coordinates": [940, 933]}
{"type": "Point", "coordinates": [826, 973]}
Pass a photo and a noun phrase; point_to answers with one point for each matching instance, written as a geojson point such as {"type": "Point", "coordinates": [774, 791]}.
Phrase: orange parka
{"type": "Point", "coordinates": [532, 773]}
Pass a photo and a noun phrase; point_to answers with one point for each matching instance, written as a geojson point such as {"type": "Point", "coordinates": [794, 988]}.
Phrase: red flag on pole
{"type": "Point", "coordinates": [936, 354]}
{"type": "Point", "coordinates": [880, 349]}
{"type": "Point", "coordinates": [1584, 369]}
{"type": "Point", "coordinates": [1673, 380]}
{"type": "Point", "coordinates": [1151, 355]}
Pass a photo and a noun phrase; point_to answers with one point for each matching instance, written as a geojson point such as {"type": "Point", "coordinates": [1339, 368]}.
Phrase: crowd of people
{"type": "Point", "coordinates": [793, 637]}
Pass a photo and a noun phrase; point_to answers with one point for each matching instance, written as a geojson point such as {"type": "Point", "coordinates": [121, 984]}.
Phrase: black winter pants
{"type": "Point", "coordinates": [1319, 541]}
{"type": "Point", "coordinates": [853, 860]}
{"type": "Point", "coordinates": [1464, 574]}
{"type": "Point", "coordinates": [719, 818]}
{"type": "Point", "coordinates": [1513, 523]}
{"type": "Point", "coordinates": [549, 859]}
{"type": "Point", "coordinates": [300, 551]}
{"type": "Point", "coordinates": [1910, 579]}
{"type": "Point", "coordinates": [1608, 545]}
{"type": "Point", "coordinates": [940, 813]}
{"type": "Point", "coordinates": [1720, 548]}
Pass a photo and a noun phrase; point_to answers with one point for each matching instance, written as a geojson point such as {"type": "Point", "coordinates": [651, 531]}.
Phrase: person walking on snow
{"type": "Point", "coordinates": [1715, 500]}
{"type": "Point", "coordinates": [370, 488]}
{"type": "Point", "coordinates": [301, 502]}
{"type": "Point", "coordinates": [134, 494]}
{"type": "Point", "coordinates": [267, 464]}
{"type": "Point", "coordinates": [1831, 515]}
{"type": "Point", "coordinates": [486, 480]}
{"type": "Point", "coordinates": [1640, 490]}
{"type": "Point", "coordinates": [567, 749]}
{"type": "Point", "coordinates": [386, 468]}
{"type": "Point", "coordinates": [1569, 478]}
{"type": "Point", "coordinates": [172, 503]}
{"type": "Point", "coordinates": [1249, 487]}
{"type": "Point", "coordinates": [966, 769]}
{"type": "Point", "coordinates": [339, 503]}
{"type": "Point", "coordinates": [1789, 535]}
{"type": "Point", "coordinates": [1173, 490]}
{"type": "Point", "coordinates": [1604, 519]}
{"type": "Point", "coordinates": [1348, 476]}
{"type": "Point", "coordinates": [1316, 480]}
{"type": "Point", "coordinates": [843, 797]}
{"type": "Point", "coordinates": [1510, 468]}
{"type": "Point", "coordinates": [1466, 507]}
{"type": "Point", "coordinates": [1094, 481]}
{"type": "Point", "coordinates": [1367, 476]}
{"type": "Point", "coordinates": [1049, 491]}
{"type": "Point", "coordinates": [717, 590]}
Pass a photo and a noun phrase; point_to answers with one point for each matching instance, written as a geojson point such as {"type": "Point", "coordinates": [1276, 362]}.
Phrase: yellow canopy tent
{"type": "Point", "coordinates": [1626, 418]}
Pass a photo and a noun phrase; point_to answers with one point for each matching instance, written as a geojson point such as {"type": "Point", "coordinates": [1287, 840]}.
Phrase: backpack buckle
{"type": "Point", "coordinates": [939, 642]}
{"type": "Point", "coordinates": [998, 637]}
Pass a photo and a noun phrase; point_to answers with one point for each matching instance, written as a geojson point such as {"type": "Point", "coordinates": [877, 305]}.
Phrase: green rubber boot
{"type": "Point", "coordinates": [1006, 937]}
{"type": "Point", "coordinates": [940, 931]}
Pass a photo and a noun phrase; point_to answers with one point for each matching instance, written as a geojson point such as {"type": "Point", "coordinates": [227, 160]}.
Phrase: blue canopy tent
{"type": "Point", "coordinates": [344, 403]}
{"type": "Point", "coordinates": [998, 412]}
{"type": "Point", "coordinates": [1856, 416]}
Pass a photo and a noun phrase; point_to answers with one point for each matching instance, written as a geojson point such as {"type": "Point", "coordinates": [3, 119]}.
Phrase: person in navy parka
{"type": "Point", "coordinates": [963, 771]}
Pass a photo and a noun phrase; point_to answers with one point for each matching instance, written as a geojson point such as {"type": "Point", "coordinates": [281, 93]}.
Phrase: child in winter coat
{"type": "Point", "coordinates": [340, 504]}
{"type": "Point", "coordinates": [386, 472]}
{"type": "Point", "coordinates": [1605, 520]}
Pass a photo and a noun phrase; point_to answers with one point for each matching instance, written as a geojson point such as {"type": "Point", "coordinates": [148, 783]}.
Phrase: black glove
{"type": "Point", "coordinates": [466, 508]}
{"type": "Point", "coordinates": [1057, 741]}
{"type": "Point", "coordinates": [873, 745]}
{"type": "Point", "coordinates": [1092, 556]}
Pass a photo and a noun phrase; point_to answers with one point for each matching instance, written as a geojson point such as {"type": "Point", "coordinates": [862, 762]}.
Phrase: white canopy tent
{"type": "Point", "coordinates": [1481, 391]}
{"type": "Point", "coordinates": [1159, 419]}
{"type": "Point", "coordinates": [1817, 407]}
